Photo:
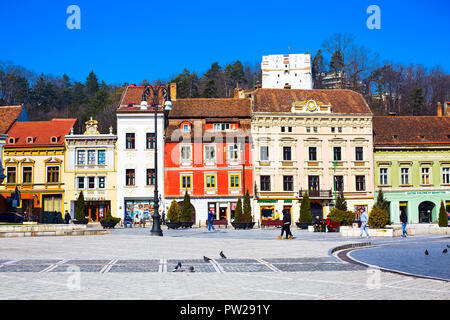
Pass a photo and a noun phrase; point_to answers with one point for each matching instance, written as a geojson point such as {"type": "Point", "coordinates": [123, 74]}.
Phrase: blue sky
{"type": "Point", "coordinates": [127, 41]}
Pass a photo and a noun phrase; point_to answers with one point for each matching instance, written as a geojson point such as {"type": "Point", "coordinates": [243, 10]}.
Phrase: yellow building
{"type": "Point", "coordinates": [33, 158]}
{"type": "Point", "coordinates": [90, 167]}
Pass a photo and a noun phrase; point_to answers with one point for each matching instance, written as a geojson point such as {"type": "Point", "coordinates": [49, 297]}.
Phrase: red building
{"type": "Point", "coordinates": [208, 154]}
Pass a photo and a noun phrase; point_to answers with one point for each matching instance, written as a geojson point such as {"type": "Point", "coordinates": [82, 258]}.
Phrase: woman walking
{"type": "Point", "coordinates": [286, 226]}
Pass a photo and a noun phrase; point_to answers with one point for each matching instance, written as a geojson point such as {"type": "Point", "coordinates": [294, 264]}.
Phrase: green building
{"type": "Point", "coordinates": [412, 165]}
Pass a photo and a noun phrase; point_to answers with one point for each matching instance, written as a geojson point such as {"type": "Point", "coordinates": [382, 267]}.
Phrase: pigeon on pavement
{"type": "Point", "coordinates": [445, 251]}
{"type": "Point", "coordinates": [177, 268]}
{"type": "Point", "coordinates": [206, 259]}
{"type": "Point", "coordinates": [191, 269]}
{"type": "Point", "coordinates": [426, 252]}
{"type": "Point", "coordinates": [222, 255]}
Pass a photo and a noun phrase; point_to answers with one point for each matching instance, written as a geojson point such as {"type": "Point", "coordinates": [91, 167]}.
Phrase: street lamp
{"type": "Point", "coordinates": [156, 91]}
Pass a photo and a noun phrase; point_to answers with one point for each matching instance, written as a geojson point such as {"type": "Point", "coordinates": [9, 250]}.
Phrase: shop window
{"type": "Point", "coordinates": [267, 213]}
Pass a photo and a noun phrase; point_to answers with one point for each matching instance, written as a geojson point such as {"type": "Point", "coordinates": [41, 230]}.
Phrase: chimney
{"type": "Point", "coordinates": [173, 91]}
{"type": "Point", "coordinates": [447, 108]}
{"type": "Point", "coordinates": [239, 93]}
{"type": "Point", "coordinates": [439, 109]}
{"type": "Point", "coordinates": [392, 114]}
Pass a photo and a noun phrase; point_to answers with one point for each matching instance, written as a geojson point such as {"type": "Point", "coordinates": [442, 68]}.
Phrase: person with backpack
{"type": "Point", "coordinates": [210, 221]}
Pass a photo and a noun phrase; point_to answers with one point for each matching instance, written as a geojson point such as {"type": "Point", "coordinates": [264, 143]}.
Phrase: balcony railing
{"type": "Point", "coordinates": [322, 194]}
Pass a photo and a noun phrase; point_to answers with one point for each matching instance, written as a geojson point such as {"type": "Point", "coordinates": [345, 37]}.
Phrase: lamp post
{"type": "Point", "coordinates": [156, 90]}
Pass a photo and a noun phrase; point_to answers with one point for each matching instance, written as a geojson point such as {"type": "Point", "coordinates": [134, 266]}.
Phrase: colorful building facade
{"type": "Point", "coordinates": [208, 155]}
{"type": "Point", "coordinates": [315, 141]}
{"type": "Point", "coordinates": [412, 165]}
{"type": "Point", "coordinates": [91, 168]}
{"type": "Point", "coordinates": [33, 158]}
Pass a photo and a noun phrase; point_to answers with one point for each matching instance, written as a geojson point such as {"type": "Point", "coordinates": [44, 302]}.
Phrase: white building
{"type": "Point", "coordinates": [136, 143]}
{"type": "Point", "coordinates": [279, 71]}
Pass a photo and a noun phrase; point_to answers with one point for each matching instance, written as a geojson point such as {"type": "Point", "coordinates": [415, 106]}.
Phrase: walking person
{"type": "Point", "coordinates": [286, 226]}
{"type": "Point", "coordinates": [364, 219]}
{"type": "Point", "coordinates": [404, 221]}
{"type": "Point", "coordinates": [67, 217]}
{"type": "Point", "coordinates": [210, 221]}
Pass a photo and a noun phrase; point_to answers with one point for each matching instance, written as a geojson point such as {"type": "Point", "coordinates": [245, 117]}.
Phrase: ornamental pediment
{"type": "Point", "coordinates": [310, 105]}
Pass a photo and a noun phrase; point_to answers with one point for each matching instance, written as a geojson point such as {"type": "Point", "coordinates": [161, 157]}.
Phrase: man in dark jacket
{"type": "Point", "coordinates": [404, 221]}
{"type": "Point", "coordinates": [286, 226]}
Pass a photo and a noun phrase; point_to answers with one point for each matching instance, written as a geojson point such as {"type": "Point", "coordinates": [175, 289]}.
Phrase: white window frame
{"type": "Point", "coordinates": [384, 180]}
{"type": "Point", "coordinates": [207, 153]}
{"type": "Point", "coordinates": [446, 175]}
{"type": "Point", "coordinates": [189, 149]}
{"type": "Point", "coordinates": [423, 174]}
{"type": "Point", "coordinates": [402, 175]}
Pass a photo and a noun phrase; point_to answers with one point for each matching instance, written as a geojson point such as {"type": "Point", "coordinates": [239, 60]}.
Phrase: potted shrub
{"type": "Point", "coordinates": [173, 215]}
{"type": "Point", "coordinates": [344, 217]}
{"type": "Point", "coordinates": [80, 217]}
{"type": "Point", "coordinates": [241, 218]}
{"type": "Point", "coordinates": [186, 213]}
{"type": "Point", "coordinates": [108, 221]}
{"type": "Point", "coordinates": [443, 218]}
{"type": "Point", "coordinates": [305, 218]}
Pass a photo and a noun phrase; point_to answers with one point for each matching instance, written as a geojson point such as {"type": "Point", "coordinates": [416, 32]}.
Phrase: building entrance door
{"type": "Point", "coordinates": [426, 212]}
{"type": "Point", "coordinates": [222, 213]}
{"type": "Point", "coordinates": [316, 210]}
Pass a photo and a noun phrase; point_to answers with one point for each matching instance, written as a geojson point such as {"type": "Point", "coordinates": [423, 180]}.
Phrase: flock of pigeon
{"type": "Point", "coordinates": [444, 251]}
{"type": "Point", "coordinates": [179, 268]}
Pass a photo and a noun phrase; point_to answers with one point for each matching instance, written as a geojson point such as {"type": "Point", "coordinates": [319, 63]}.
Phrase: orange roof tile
{"type": "Point", "coordinates": [40, 131]}
{"type": "Point", "coordinates": [8, 115]}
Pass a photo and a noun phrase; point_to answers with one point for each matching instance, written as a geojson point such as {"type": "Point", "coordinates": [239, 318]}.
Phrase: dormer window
{"type": "Point", "coordinates": [221, 126]}
{"type": "Point", "coordinates": [186, 127]}
{"type": "Point", "coordinates": [54, 139]}
{"type": "Point", "coordinates": [29, 139]}
{"type": "Point", "coordinates": [11, 140]}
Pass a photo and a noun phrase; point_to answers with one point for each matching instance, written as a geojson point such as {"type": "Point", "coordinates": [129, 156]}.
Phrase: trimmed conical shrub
{"type": "Point", "coordinates": [238, 216]}
{"type": "Point", "coordinates": [247, 209]}
{"type": "Point", "coordinates": [443, 218]}
{"type": "Point", "coordinates": [305, 209]}
{"type": "Point", "coordinates": [186, 215]}
{"type": "Point", "coordinates": [79, 213]}
{"type": "Point", "coordinates": [341, 204]}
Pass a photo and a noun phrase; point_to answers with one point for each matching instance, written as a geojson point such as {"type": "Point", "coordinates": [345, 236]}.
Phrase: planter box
{"type": "Point", "coordinates": [186, 225]}
{"type": "Point", "coordinates": [81, 221]}
{"type": "Point", "coordinates": [173, 225]}
{"type": "Point", "coordinates": [243, 225]}
{"type": "Point", "coordinates": [109, 224]}
{"type": "Point", "coordinates": [303, 225]}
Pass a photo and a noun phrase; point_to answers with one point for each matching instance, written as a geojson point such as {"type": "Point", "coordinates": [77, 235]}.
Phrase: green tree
{"type": "Point", "coordinates": [247, 208]}
{"type": "Point", "coordinates": [186, 214]}
{"type": "Point", "coordinates": [378, 218]}
{"type": "Point", "coordinates": [443, 218]}
{"type": "Point", "coordinates": [381, 202]}
{"type": "Point", "coordinates": [80, 213]}
{"type": "Point", "coordinates": [92, 83]}
{"type": "Point", "coordinates": [341, 204]}
{"type": "Point", "coordinates": [318, 69]}
{"type": "Point", "coordinates": [305, 209]}
{"type": "Point", "coordinates": [416, 101]}
{"type": "Point", "coordinates": [174, 212]}
{"type": "Point", "coordinates": [238, 216]}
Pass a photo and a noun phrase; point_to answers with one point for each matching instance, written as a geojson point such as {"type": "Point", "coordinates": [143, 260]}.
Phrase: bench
{"type": "Point", "coordinates": [222, 222]}
{"type": "Point", "coordinates": [271, 223]}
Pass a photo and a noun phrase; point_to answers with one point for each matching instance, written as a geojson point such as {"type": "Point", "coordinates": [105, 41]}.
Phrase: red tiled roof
{"type": "Point", "coordinates": [411, 130]}
{"type": "Point", "coordinates": [8, 115]}
{"type": "Point", "coordinates": [210, 108]}
{"type": "Point", "coordinates": [132, 95]}
{"type": "Point", "coordinates": [40, 131]}
{"type": "Point", "coordinates": [280, 100]}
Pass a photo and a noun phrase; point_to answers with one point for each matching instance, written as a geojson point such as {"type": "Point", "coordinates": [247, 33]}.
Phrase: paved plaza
{"type": "Point", "coordinates": [131, 264]}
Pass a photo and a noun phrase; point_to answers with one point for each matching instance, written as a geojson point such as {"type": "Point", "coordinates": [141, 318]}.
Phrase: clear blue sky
{"type": "Point", "coordinates": [127, 41]}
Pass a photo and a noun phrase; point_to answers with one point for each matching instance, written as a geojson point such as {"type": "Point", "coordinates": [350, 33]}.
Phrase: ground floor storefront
{"type": "Point", "coordinates": [33, 203]}
{"type": "Point", "coordinates": [419, 206]}
{"type": "Point", "coordinates": [94, 210]}
{"type": "Point", "coordinates": [221, 208]}
{"type": "Point", "coordinates": [139, 208]}
{"type": "Point", "coordinates": [273, 209]}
